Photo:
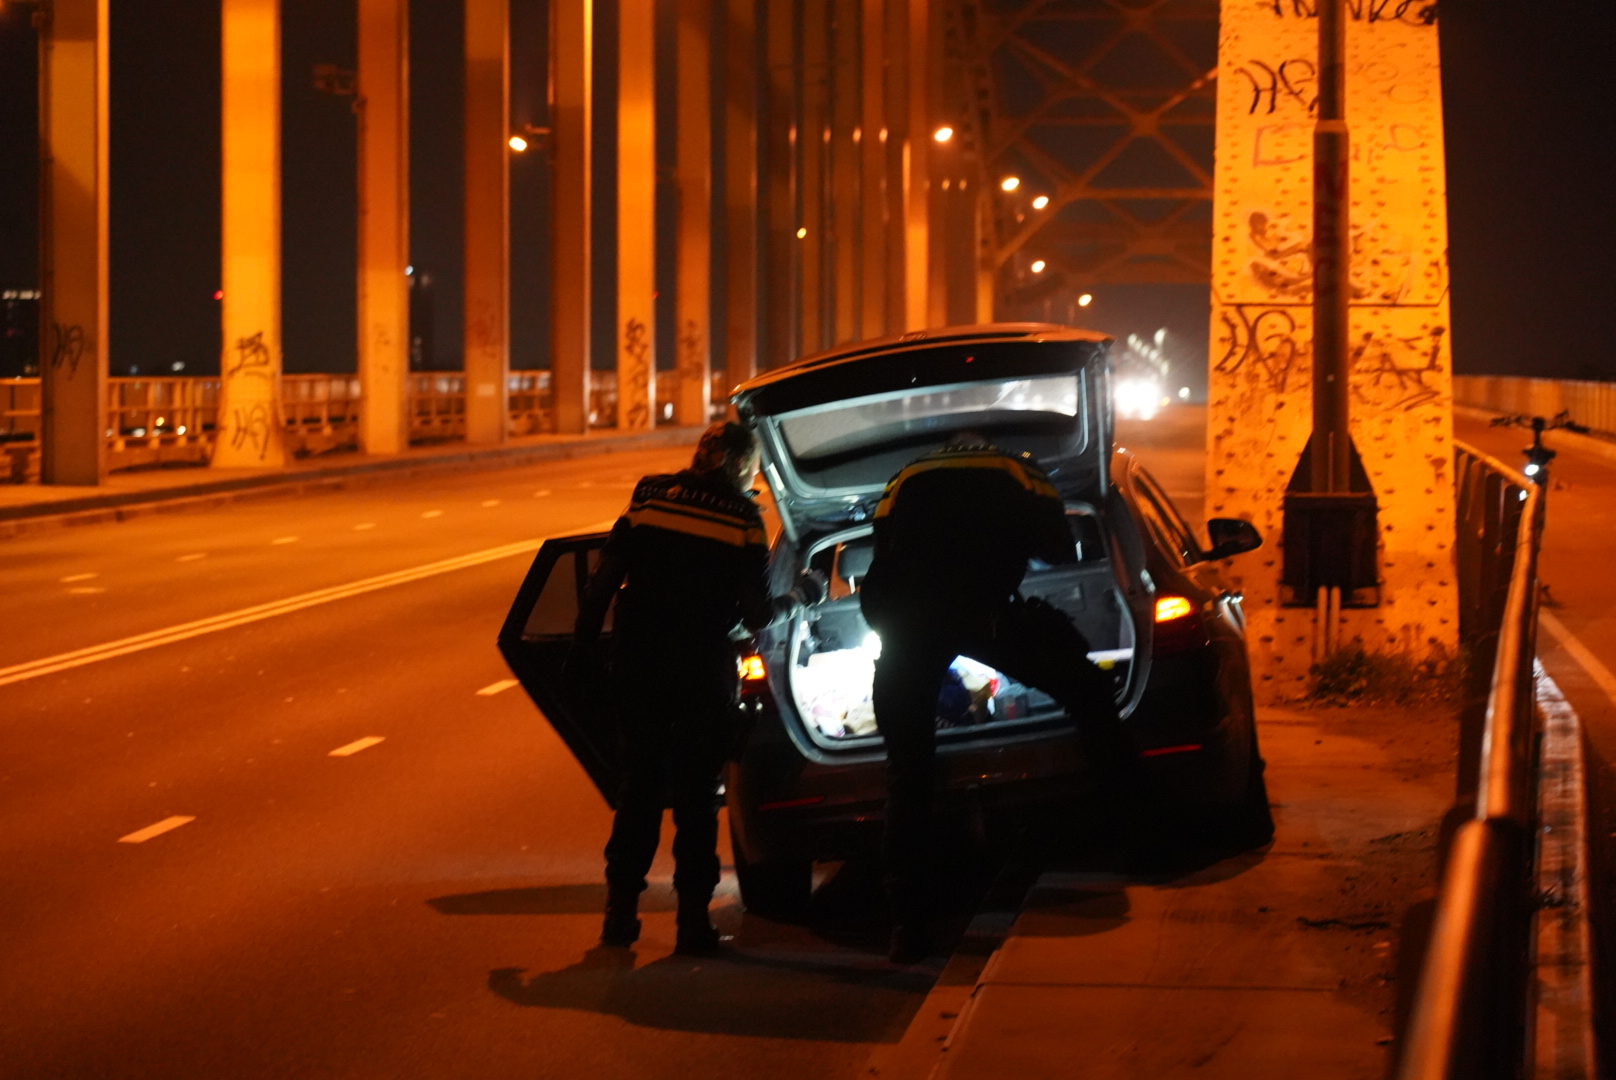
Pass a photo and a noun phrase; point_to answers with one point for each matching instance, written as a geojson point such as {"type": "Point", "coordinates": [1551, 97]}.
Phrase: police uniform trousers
{"type": "Point", "coordinates": [676, 718]}
{"type": "Point", "coordinates": [1029, 640]}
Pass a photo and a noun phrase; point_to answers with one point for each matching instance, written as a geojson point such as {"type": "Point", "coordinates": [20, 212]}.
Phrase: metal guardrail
{"type": "Point", "coordinates": [1469, 1007]}
{"type": "Point", "coordinates": [1590, 403]}
{"type": "Point", "coordinates": [171, 418]}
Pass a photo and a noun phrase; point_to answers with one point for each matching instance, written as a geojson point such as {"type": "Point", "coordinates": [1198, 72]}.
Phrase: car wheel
{"type": "Point", "coordinates": [1249, 823]}
{"type": "Point", "coordinates": [774, 889]}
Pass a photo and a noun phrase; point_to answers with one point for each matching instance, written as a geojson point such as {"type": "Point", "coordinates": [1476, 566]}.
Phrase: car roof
{"type": "Point", "coordinates": [919, 339]}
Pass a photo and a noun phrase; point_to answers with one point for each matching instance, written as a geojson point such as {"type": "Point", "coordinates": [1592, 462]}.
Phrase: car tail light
{"type": "Point", "coordinates": [1169, 608]}
{"type": "Point", "coordinates": [752, 669]}
{"type": "Point", "coordinates": [1178, 626]}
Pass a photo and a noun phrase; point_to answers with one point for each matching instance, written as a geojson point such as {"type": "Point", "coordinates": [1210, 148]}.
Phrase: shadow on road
{"type": "Point", "coordinates": [546, 900]}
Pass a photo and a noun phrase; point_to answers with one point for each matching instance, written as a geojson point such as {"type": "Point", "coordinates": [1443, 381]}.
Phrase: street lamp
{"type": "Point", "coordinates": [518, 143]}
{"type": "Point", "coordinates": [1010, 183]}
{"type": "Point", "coordinates": [1038, 266]}
{"type": "Point", "coordinates": [1085, 300]}
{"type": "Point", "coordinates": [1040, 202]}
{"type": "Point", "coordinates": [943, 134]}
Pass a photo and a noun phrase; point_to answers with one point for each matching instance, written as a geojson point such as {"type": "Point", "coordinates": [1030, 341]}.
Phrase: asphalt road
{"type": "Point", "coordinates": [424, 906]}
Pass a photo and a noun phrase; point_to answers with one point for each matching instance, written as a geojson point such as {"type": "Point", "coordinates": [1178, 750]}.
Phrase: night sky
{"type": "Point", "coordinates": [1530, 92]}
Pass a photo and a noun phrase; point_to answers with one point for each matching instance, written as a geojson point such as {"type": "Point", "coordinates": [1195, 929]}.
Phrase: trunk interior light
{"type": "Point", "coordinates": [1169, 608]}
{"type": "Point", "coordinates": [752, 668]}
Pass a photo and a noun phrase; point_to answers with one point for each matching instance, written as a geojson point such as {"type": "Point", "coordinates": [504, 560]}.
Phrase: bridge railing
{"type": "Point", "coordinates": [1590, 403]}
{"type": "Point", "coordinates": [1470, 1010]}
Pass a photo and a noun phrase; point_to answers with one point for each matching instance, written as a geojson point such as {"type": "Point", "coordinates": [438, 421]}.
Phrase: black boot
{"type": "Point", "coordinates": [697, 936]}
{"type": "Point", "coordinates": [622, 925]}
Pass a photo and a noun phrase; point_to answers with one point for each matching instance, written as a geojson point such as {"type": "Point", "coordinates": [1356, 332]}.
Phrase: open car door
{"type": "Point", "coordinates": [535, 640]}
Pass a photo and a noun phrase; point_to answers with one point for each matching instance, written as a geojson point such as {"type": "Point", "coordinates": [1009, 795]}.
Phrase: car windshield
{"type": "Point", "coordinates": [860, 442]}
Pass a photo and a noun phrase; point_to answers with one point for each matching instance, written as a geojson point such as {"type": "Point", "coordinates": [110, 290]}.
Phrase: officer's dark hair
{"type": "Point", "coordinates": [725, 446]}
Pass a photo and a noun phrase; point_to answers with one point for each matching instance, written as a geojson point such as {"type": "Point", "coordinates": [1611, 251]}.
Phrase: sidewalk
{"type": "Point", "coordinates": [24, 507]}
{"type": "Point", "coordinates": [1280, 963]}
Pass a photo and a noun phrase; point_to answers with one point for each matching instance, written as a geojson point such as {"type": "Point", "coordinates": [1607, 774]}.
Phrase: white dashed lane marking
{"type": "Point", "coordinates": [86, 590]}
{"type": "Point", "coordinates": [192, 557]}
{"type": "Point", "coordinates": [357, 745]}
{"type": "Point", "coordinates": [493, 688]}
{"type": "Point", "coordinates": [69, 579]}
{"type": "Point", "coordinates": [286, 540]}
{"type": "Point", "coordinates": [363, 525]}
{"type": "Point", "coordinates": [433, 514]}
{"type": "Point", "coordinates": [140, 836]}
{"type": "Point", "coordinates": [541, 493]}
{"type": "Point", "coordinates": [490, 502]}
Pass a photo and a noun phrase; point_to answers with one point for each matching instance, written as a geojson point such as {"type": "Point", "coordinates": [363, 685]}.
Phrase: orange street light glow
{"type": "Point", "coordinates": [1010, 183]}
{"type": "Point", "coordinates": [1085, 300]}
{"type": "Point", "coordinates": [943, 134]}
{"type": "Point", "coordinates": [1040, 202]}
{"type": "Point", "coordinates": [802, 232]}
{"type": "Point", "coordinates": [518, 143]}
{"type": "Point", "coordinates": [1038, 266]}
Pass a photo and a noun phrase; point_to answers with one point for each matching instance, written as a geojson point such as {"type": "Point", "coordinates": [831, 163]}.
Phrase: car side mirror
{"type": "Point", "coordinates": [1231, 536]}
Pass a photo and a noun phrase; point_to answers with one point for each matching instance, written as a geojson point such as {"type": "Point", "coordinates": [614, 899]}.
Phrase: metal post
{"type": "Point", "coordinates": [636, 214]}
{"type": "Point", "coordinates": [845, 194]}
{"type": "Point", "coordinates": [778, 184]}
{"type": "Point", "coordinates": [572, 43]}
{"type": "Point", "coordinates": [917, 170]}
{"type": "Point", "coordinates": [813, 138]}
{"type": "Point", "coordinates": [249, 425]}
{"type": "Point", "coordinates": [695, 242]}
{"type": "Point", "coordinates": [741, 88]}
{"type": "Point", "coordinates": [384, 223]}
{"type": "Point", "coordinates": [872, 231]}
{"type": "Point", "coordinates": [73, 119]}
{"type": "Point", "coordinates": [895, 129]}
{"type": "Point", "coordinates": [487, 215]}
{"type": "Point", "coordinates": [1332, 276]}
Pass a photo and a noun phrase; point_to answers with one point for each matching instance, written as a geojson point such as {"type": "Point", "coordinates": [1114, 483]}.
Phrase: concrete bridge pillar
{"type": "Point", "coordinates": [693, 363]}
{"type": "Point", "coordinates": [487, 217]}
{"type": "Point", "coordinates": [740, 75]}
{"type": "Point", "coordinates": [1399, 346]}
{"type": "Point", "coordinates": [572, 131]}
{"type": "Point", "coordinates": [249, 431]}
{"type": "Point", "coordinates": [384, 223]}
{"type": "Point", "coordinates": [636, 215]}
{"type": "Point", "coordinates": [73, 242]}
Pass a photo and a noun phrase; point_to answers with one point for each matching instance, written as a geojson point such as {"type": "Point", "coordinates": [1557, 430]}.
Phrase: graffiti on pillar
{"type": "Point", "coordinates": [635, 373]}
{"type": "Point", "coordinates": [1295, 80]}
{"type": "Point", "coordinates": [252, 358]}
{"type": "Point", "coordinates": [692, 357]}
{"type": "Point", "coordinates": [1260, 343]}
{"type": "Point", "coordinates": [1382, 379]}
{"type": "Point", "coordinates": [250, 429]}
{"type": "Point", "coordinates": [68, 347]}
{"type": "Point", "coordinates": [1413, 12]}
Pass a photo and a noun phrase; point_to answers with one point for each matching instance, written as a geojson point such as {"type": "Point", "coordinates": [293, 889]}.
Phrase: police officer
{"type": "Point", "coordinates": [953, 534]}
{"type": "Point", "coordinates": [685, 562]}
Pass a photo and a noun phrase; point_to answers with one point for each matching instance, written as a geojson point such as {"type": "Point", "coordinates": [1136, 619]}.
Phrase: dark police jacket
{"type": "Point", "coordinates": [686, 562]}
{"type": "Point", "coordinates": [954, 531]}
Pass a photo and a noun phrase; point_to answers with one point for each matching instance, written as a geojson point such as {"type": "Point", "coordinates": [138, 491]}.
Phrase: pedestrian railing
{"type": "Point", "coordinates": [1590, 403]}
{"type": "Point", "coordinates": [1470, 1011]}
{"type": "Point", "coordinates": [320, 412]}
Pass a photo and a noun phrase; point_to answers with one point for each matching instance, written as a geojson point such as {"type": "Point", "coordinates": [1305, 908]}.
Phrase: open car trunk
{"type": "Point", "coordinates": [831, 650]}
{"type": "Point", "coordinates": [835, 429]}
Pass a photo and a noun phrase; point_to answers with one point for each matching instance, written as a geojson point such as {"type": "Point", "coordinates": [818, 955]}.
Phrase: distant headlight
{"type": "Point", "coordinates": [1137, 399]}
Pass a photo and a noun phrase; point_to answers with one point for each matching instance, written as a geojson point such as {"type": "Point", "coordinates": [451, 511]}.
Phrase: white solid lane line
{"type": "Point", "coordinates": [123, 646]}
{"type": "Point", "coordinates": [1583, 655]}
{"type": "Point", "coordinates": [69, 579]}
{"type": "Point", "coordinates": [357, 745]}
{"type": "Point", "coordinates": [140, 836]}
{"type": "Point", "coordinates": [493, 688]}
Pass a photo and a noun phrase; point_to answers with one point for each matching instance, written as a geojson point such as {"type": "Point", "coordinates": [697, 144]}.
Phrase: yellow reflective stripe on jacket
{"type": "Point", "coordinates": [656, 513]}
{"type": "Point", "coordinates": [1030, 478]}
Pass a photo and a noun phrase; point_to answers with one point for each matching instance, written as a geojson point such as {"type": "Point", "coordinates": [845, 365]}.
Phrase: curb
{"type": "Point", "coordinates": [205, 494]}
